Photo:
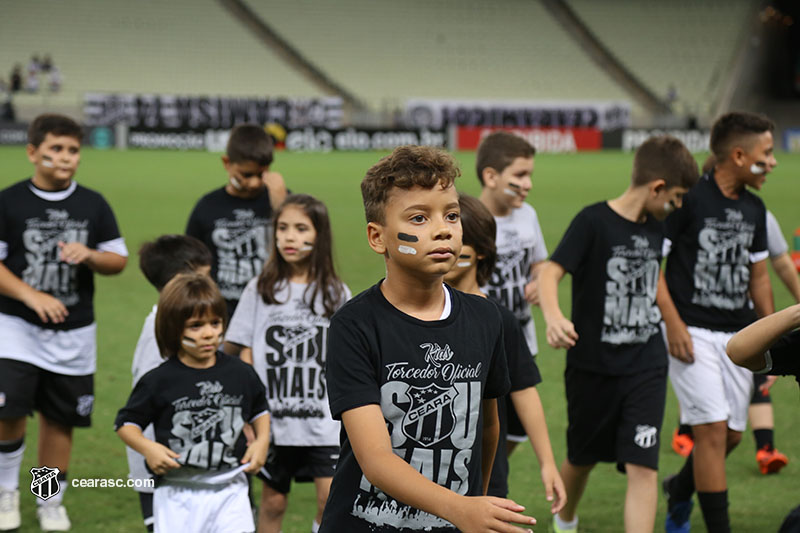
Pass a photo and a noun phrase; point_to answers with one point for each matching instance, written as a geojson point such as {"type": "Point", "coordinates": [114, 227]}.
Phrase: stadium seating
{"type": "Point", "coordinates": [684, 43]}
{"type": "Point", "coordinates": [386, 52]}
{"type": "Point", "coordinates": [192, 47]}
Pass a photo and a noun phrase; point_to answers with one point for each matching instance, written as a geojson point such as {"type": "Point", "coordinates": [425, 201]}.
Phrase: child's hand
{"type": "Point", "coordinates": [679, 342]}
{"type": "Point", "coordinates": [249, 434]}
{"type": "Point", "coordinates": [256, 455]}
{"type": "Point", "coordinates": [554, 487]}
{"type": "Point", "coordinates": [47, 307]}
{"type": "Point", "coordinates": [161, 459]}
{"type": "Point", "coordinates": [561, 333]}
{"type": "Point", "coordinates": [276, 187]}
{"type": "Point", "coordinates": [480, 514]}
{"type": "Point", "coordinates": [532, 292]}
{"type": "Point", "coordinates": [74, 253]}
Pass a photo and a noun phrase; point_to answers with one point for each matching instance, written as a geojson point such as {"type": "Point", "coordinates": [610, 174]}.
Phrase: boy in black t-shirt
{"type": "Point", "coordinates": [234, 221]}
{"type": "Point", "coordinates": [717, 264]}
{"type": "Point", "coordinates": [616, 375]}
{"type": "Point", "coordinates": [54, 236]}
{"type": "Point", "coordinates": [198, 402]}
{"type": "Point", "coordinates": [414, 368]}
{"type": "Point", "coordinates": [471, 271]}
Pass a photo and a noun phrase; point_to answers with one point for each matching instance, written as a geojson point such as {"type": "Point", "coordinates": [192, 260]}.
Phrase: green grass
{"type": "Point", "coordinates": [152, 193]}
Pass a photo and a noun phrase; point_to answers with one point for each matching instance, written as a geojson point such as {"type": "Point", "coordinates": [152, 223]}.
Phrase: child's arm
{"type": "Point", "coordinates": [159, 458]}
{"type": "Point", "coordinates": [256, 453]}
{"type": "Point", "coordinates": [276, 187]}
{"type": "Point", "coordinates": [105, 263]}
{"type": "Point", "coordinates": [560, 330]}
{"type": "Point", "coordinates": [366, 429]}
{"type": "Point", "coordinates": [246, 355]}
{"type": "Point", "coordinates": [748, 346]}
{"type": "Point", "coordinates": [532, 288]}
{"type": "Point", "coordinates": [679, 342]}
{"type": "Point", "coordinates": [491, 434]}
{"type": "Point", "coordinates": [761, 289]}
{"type": "Point", "coordinates": [786, 271]}
{"type": "Point", "coordinates": [529, 409]}
{"type": "Point", "coordinates": [47, 307]}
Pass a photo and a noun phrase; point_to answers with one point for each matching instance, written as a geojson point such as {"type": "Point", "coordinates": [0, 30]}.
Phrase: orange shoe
{"type": "Point", "coordinates": [770, 461]}
{"type": "Point", "coordinates": [682, 443]}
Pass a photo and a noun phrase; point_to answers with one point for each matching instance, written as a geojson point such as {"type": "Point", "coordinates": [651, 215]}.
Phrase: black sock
{"type": "Point", "coordinates": [764, 437]}
{"type": "Point", "coordinates": [685, 429]}
{"type": "Point", "coordinates": [682, 486]}
{"type": "Point", "coordinates": [146, 503]}
{"type": "Point", "coordinates": [715, 511]}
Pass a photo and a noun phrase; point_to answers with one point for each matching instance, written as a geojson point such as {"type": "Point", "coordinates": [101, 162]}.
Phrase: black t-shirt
{"type": "Point", "coordinates": [523, 373]}
{"type": "Point", "coordinates": [615, 264]}
{"type": "Point", "coordinates": [32, 223]}
{"type": "Point", "coordinates": [238, 233]}
{"type": "Point", "coordinates": [714, 241]}
{"type": "Point", "coordinates": [429, 378]}
{"type": "Point", "coordinates": [786, 356]}
{"type": "Point", "coordinates": [198, 413]}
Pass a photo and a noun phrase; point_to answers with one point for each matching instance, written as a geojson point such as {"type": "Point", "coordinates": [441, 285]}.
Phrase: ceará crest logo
{"type": "Point", "coordinates": [435, 354]}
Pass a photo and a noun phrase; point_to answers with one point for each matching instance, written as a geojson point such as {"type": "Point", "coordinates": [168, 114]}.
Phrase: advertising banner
{"type": "Point", "coordinates": [545, 140]}
{"type": "Point", "coordinates": [630, 139]}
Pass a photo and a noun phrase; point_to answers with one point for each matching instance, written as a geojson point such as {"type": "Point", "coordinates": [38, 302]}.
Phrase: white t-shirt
{"type": "Point", "coordinates": [146, 356]}
{"type": "Point", "coordinates": [289, 344]}
{"type": "Point", "coordinates": [776, 244]}
{"type": "Point", "coordinates": [520, 244]}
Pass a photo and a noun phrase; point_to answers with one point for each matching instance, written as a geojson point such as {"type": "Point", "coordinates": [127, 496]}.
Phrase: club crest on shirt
{"type": "Point", "coordinates": [430, 417]}
{"type": "Point", "coordinates": [204, 421]}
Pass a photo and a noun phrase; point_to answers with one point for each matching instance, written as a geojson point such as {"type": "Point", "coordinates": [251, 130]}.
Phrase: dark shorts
{"type": "Point", "coordinates": [758, 396]}
{"type": "Point", "coordinates": [301, 463]}
{"type": "Point", "coordinates": [25, 388]}
{"type": "Point", "coordinates": [615, 419]}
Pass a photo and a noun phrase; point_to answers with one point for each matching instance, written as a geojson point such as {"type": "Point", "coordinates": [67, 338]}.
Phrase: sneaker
{"type": "Point", "coordinates": [53, 517]}
{"type": "Point", "coordinates": [677, 511]}
{"type": "Point", "coordinates": [682, 443]}
{"type": "Point", "coordinates": [9, 510]}
{"type": "Point", "coordinates": [770, 460]}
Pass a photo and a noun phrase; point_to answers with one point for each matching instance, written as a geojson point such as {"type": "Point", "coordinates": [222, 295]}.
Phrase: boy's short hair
{"type": "Point", "coordinates": [58, 125]}
{"type": "Point", "coordinates": [664, 157]}
{"type": "Point", "coordinates": [249, 142]}
{"type": "Point", "coordinates": [479, 231]}
{"type": "Point", "coordinates": [185, 296]}
{"type": "Point", "coordinates": [734, 128]}
{"type": "Point", "coordinates": [160, 260]}
{"type": "Point", "coordinates": [499, 149]}
{"type": "Point", "coordinates": [406, 167]}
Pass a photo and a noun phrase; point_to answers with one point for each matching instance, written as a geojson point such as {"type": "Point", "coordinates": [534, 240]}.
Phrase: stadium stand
{"type": "Point", "coordinates": [389, 51]}
{"type": "Point", "coordinates": [685, 44]}
{"type": "Point", "coordinates": [187, 47]}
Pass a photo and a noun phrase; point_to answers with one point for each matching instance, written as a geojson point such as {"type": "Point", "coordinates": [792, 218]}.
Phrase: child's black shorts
{"type": "Point", "coordinates": [301, 463]}
{"type": "Point", "coordinates": [758, 396]}
{"type": "Point", "coordinates": [25, 388]}
{"type": "Point", "coordinates": [615, 418]}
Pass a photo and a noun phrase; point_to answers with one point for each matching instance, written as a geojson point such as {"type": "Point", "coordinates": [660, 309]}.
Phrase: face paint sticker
{"type": "Point", "coordinates": [758, 168]}
{"type": "Point", "coordinates": [47, 161]}
{"type": "Point", "coordinates": [236, 184]}
{"type": "Point", "coordinates": [669, 207]}
{"type": "Point", "coordinates": [406, 237]}
{"type": "Point", "coordinates": [464, 263]}
{"type": "Point", "coordinates": [403, 249]}
{"type": "Point", "coordinates": [188, 342]}
{"type": "Point", "coordinates": [307, 246]}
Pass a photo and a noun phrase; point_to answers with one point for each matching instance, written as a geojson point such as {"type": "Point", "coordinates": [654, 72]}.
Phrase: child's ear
{"type": "Point", "coordinates": [30, 150]}
{"type": "Point", "coordinates": [657, 187]}
{"type": "Point", "coordinates": [490, 177]}
{"type": "Point", "coordinates": [375, 238]}
{"type": "Point", "coordinates": [226, 161]}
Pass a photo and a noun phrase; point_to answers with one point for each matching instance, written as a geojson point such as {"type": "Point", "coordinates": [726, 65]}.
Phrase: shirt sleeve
{"type": "Point", "coordinates": [140, 409]}
{"type": "Point", "coordinates": [241, 330]}
{"type": "Point", "coordinates": [676, 223]}
{"type": "Point", "coordinates": [497, 381]}
{"type": "Point", "coordinates": [260, 404]}
{"type": "Point", "coordinates": [574, 247]}
{"type": "Point", "coordinates": [775, 242]}
{"type": "Point", "coordinates": [351, 369]}
{"type": "Point", "coordinates": [540, 250]}
{"type": "Point", "coordinates": [194, 227]}
{"type": "Point", "coordinates": [3, 229]}
{"type": "Point", "coordinates": [759, 248]}
{"type": "Point", "coordinates": [522, 369]}
{"type": "Point", "coordinates": [108, 235]}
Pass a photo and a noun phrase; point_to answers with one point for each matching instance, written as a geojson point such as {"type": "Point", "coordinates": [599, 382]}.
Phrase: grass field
{"type": "Point", "coordinates": [152, 193]}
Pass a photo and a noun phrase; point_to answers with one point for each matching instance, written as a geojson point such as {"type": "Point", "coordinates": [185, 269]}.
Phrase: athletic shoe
{"type": "Point", "coordinates": [53, 517]}
{"type": "Point", "coordinates": [677, 511]}
{"type": "Point", "coordinates": [9, 510]}
{"type": "Point", "coordinates": [770, 460]}
{"type": "Point", "coordinates": [682, 443]}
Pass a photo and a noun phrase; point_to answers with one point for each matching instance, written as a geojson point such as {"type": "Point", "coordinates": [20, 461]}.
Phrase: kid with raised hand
{"type": "Point", "coordinates": [471, 271]}
{"type": "Point", "coordinates": [414, 369]}
{"type": "Point", "coordinates": [281, 325]}
{"type": "Point", "coordinates": [198, 402]}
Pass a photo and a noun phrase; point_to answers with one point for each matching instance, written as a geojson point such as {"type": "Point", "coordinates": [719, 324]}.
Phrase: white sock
{"type": "Point", "coordinates": [314, 527]}
{"type": "Point", "coordinates": [563, 525]}
{"type": "Point", "coordinates": [10, 463]}
{"type": "Point", "coordinates": [58, 498]}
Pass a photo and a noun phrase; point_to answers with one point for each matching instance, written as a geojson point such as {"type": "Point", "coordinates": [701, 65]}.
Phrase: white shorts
{"type": "Point", "coordinates": [712, 389]}
{"type": "Point", "coordinates": [225, 509]}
